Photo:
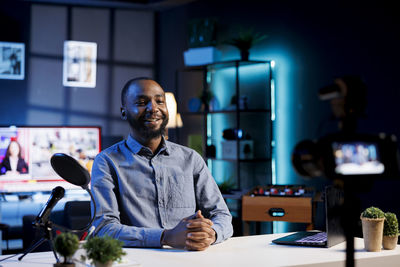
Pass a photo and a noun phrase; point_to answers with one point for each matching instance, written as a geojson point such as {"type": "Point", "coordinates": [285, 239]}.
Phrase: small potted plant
{"type": "Point", "coordinates": [372, 226]}
{"type": "Point", "coordinates": [226, 187]}
{"type": "Point", "coordinates": [245, 40]}
{"type": "Point", "coordinates": [390, 231]}
{"type": "Point", "coordinates": [66, 244]}
{"type": "Point", "coordinates": [103, 251]}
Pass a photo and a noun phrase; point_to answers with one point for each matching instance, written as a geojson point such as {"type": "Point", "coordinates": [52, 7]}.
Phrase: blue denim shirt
{"type": "Point", "coordinates": [139, 194]}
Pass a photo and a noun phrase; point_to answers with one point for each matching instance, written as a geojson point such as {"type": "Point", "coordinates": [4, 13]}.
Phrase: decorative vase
{"type": "Point", "coordinates": [100, 264]}
{"type": "Point", "coordinates": [389, 242]}
{"type": "Point", "coordinates": [372, 233]}
{"type": "Point", "coordinates": [244, 54]}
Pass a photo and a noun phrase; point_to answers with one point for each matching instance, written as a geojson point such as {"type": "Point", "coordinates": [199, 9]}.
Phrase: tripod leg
{"type": "Point", "coordinates": [32, 248]}
{"type": "Point", "coordinates": [54, 252]}
{"type": "Point", "coordinates": [50, 235]}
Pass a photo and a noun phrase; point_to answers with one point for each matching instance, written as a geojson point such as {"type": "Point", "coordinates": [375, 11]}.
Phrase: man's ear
{"type": "Point", "coordinates": [123, 114]}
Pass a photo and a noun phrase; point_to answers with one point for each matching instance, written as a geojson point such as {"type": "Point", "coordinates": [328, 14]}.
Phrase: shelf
{"type": "Point", "coordinates": [235, 194]}
{"type": "Point", "coordinates": [225, 64]}
{"type": "Point", "coordinates": [259, 110]}
{"type": "Point", "coordinates": [225, 79]}
{"type": "Point", "coordinates": [242, 160]}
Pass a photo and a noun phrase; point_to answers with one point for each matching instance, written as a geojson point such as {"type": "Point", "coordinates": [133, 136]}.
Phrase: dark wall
{"type": "Point", "coordinates": [14, 18]}
{"type": "Point", "coordinates": [125, 49]}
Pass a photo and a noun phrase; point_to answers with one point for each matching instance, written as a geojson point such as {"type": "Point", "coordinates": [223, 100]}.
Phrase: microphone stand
{"type": "Point", "coordinates": [47, 226]}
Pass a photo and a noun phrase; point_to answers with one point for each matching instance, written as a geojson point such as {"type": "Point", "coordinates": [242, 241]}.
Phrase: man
{"type": "Point", "coordinates": [151, 192]}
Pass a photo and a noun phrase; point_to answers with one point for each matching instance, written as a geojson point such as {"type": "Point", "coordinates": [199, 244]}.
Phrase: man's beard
{"type": "Point", "coordinates": [145, 132]}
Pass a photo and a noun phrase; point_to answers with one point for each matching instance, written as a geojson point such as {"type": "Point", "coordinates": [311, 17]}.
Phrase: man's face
{"type": "Point", "coordinates": [146, 109]}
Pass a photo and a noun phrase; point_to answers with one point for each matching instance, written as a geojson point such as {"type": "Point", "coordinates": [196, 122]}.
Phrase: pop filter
{"type": "Point", "coordinates": [70, 170]}
{"type": "Point", "coordinates": [73, 172]}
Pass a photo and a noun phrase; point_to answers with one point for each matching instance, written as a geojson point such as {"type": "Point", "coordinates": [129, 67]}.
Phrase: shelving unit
{"type": "Point", "coordinates": [242, 98]}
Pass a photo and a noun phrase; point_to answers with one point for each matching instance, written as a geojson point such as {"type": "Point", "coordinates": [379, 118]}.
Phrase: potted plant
{"type": "Point", "coordinates": [103, 251]}
{"type": "Point", "coordinates": [66, 244]}
{"type": "Point", "coordinates": [390, 231]}
{"type": "Point", "coordinates": [226, 187]}
{"type": "Point", "coordinates": [372, 226]}
{"type": "Point", "coordinates": [245, 40]}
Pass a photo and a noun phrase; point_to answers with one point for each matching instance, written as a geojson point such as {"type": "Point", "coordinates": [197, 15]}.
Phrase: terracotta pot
{"type": "Point", "coordinates": [244, 54]}
{"type": "Point", "coordinates": [389, 242]}
{"type": "Point", "coordinates": [372, 233]}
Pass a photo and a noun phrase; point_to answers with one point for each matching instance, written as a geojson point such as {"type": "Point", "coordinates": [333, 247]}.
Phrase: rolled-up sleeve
{"type": "Point", "coordinates": [107, 218]}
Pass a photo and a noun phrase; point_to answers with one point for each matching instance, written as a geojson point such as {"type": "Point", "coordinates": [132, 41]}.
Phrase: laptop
{"type": "Point", "coordinates": [333, 234]}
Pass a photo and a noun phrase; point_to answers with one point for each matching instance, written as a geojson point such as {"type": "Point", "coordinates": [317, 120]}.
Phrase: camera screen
{"type": "Point", "coordinates": [357, 158]}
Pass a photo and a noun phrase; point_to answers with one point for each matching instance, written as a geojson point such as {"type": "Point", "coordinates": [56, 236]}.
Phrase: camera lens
{"type": "Point", "coordinates": [306, 159]}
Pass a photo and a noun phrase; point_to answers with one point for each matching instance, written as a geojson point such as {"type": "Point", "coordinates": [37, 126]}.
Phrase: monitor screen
{"type": "Point", "coordinates": [25, 154]}
{"type": "Point", "coordinates": [357, 158]}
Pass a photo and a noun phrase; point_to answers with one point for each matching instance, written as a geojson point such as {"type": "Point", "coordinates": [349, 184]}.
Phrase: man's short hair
{"type": "Point", "coordinates": [128, 84]}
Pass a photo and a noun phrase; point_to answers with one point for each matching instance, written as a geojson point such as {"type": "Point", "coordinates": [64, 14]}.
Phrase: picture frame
{"type": "Point", "coordinates": [79, 66]}
{"type": "Point", "coordinates": [12, 60]}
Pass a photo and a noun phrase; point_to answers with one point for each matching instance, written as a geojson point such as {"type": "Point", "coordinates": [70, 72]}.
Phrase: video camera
{"type": "Point", "coordinates": [346, 153]}
{"type": "Point", "coordinates": [352, 159]}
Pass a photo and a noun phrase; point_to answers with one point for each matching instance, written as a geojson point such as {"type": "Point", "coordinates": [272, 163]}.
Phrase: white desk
{"type": "Point", "coordinates": [249, 251]}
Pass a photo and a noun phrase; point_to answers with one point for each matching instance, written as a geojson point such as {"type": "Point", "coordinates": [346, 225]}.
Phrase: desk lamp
{"type": "Point", "coordinates": [175, 120]}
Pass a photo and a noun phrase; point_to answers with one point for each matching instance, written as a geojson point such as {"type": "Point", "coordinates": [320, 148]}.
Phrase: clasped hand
{"type": "Point", "coordinates": [191, 233]}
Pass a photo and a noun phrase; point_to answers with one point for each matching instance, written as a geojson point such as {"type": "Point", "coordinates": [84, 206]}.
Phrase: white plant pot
{"type": "Point", "coordinates": [372, 233]}
{"type": "Point", "coordinates": [99, 264]}
{"type": "Point", "coordinates": [390, 242]}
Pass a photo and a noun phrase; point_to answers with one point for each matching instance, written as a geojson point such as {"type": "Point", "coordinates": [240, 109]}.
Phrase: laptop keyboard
{"type": "Point", "coordinates": [320, 237]}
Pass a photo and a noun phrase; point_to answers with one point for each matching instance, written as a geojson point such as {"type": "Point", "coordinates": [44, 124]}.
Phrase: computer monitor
{"type": "Point", "coordinates": [25, 154]}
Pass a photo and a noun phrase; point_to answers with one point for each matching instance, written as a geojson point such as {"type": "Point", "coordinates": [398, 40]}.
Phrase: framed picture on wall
{"type": "Point", "coordinates": [12, 61]}
{"type": "Point", "coordinates": [79, 64]}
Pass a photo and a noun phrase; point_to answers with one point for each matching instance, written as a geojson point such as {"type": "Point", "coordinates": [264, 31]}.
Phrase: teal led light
{"type": "Point", "coordinates": [273, 116]}
{"type": "Point", "coordinates": [209, 140]}
{"type": "Point", "coordinates": [209, 130]}
{"type": "Point", "coordinates": [283, 99]}
{"type": "Point", "coordinates": [209, 77]}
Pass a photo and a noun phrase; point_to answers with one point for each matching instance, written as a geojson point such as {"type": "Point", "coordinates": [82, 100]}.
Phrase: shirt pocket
{"type": "Point", "coordinates": [180, 192]}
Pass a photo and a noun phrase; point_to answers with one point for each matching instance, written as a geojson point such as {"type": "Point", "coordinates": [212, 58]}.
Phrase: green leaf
{"type": "Point", "coordinates": [66, 244]}
{"type": "Point", "coordinates": [373, 213]}
{"type": "Point", "coordinates": [391, 225]}
{"type": "Point", "coordinates": [104, 249]}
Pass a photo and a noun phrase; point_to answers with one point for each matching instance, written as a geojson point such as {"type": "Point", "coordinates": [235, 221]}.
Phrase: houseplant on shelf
{"type": "Point", "coordinates": [245, 40]}
{"type": "Point", "coordinates": [390, 231]}
{"type": "Point", "coordinates": [103, 251]}
{"type": "Point", "coordinates": [66, 244]}
{"type": "Point", "coordinates": [372, 220]}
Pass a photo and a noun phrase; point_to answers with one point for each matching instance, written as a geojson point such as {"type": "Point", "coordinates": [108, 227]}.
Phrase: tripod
{"type": "Point", "coordinates": [48, 236]}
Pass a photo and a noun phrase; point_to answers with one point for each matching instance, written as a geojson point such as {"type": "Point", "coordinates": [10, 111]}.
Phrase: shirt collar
{"type": "Point", "coordinates": [135, 146]}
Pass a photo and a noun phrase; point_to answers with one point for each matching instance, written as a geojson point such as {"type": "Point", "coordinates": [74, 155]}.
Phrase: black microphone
{"type": "Point", "coordinates": [56, 194]}
{"type": "Point", "coordinates": [70, 170]}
